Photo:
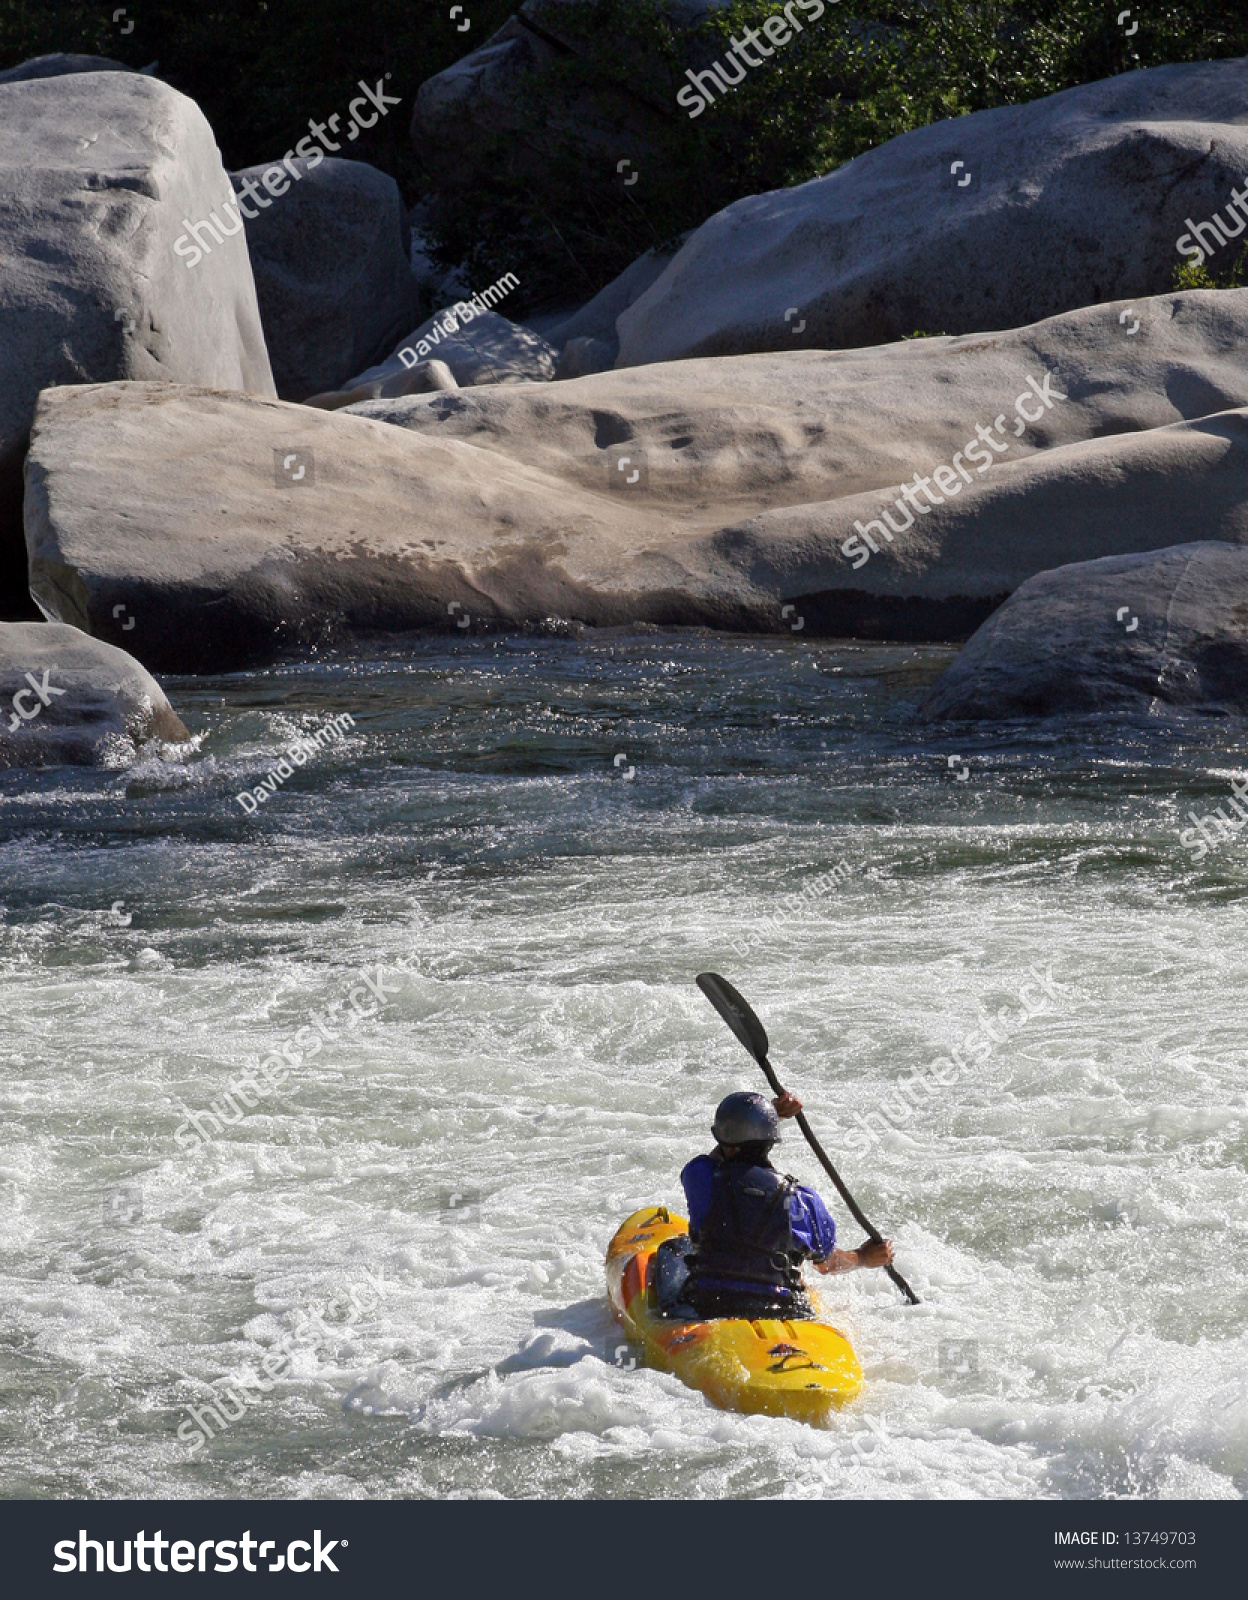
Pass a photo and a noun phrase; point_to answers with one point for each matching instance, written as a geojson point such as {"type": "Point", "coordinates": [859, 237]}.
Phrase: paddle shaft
{"type": "Point", "coordinates": [835, 1176]}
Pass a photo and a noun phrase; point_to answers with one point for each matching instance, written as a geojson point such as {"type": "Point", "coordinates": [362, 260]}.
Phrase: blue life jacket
{"type": "Point", "coordinates": [746, 1242]}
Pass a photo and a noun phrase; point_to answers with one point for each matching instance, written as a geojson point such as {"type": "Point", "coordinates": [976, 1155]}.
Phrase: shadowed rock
{"type": "Point", "coordinates": [985, 221]}
{"type": "Point", "coordinates": [466, 118]}
{"type": "Point", "coordinates": [59, 65]}
{"type": "Point", "coordinates": [1166, 628]}
{"type": "Point", "coordinates": [479, 348]}
{"type": "Point", "coordinates": [68, 699]}
{"type": "Point", "coordinates": [596, 320]}
{"type": "Point", "coordinates": [331, 256]}
{"type": "Point", "coordinates": [580, 357]}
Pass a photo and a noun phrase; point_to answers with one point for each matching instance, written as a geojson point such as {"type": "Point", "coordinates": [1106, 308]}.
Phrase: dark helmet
{"type": "Point", "coordinates": [746, 1118]}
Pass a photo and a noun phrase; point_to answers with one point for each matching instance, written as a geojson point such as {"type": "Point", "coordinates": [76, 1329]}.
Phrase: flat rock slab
{"type": "Point", "coordinates": [97, 173]}
{"type": "Point", "coordinates": [814, 425]}
{"type": "Point", "coordinates": [985, 221]}
{"type": "Point", "coordinates": [1134, 633]}
{"type": "Point", "coordinates": [67, 699]}
{"type": "Point", "coordinates": [331, 254]}
{"type": "Point", "coordinates": [778, 456]}
{"type": "Point", "coordinates": [230, 527]}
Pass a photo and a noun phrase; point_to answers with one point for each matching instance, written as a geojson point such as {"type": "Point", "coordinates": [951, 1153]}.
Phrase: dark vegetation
{"type": "Point", "coordinates": [551, 207]}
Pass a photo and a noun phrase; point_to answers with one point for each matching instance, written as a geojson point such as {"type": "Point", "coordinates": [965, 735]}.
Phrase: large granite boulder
{"type": "Point", "coordinates": [979, 222]}
{"type": "Point", "coordinates": [1134, 633]}
{"type": "Point", "coordinates": [100, 174]}
{"type": "Point", "coordinates": [331, 256]}
{"type": "Point", "coordinates": [467, 117]}
{"type": "Point", "coordinates": [69, 699]}
{"type": "Point", "coordinates": [781, 455]}
{"type": "Point", "coordinates": [944, 573]}
{"type": "Point", "coordinates": [232, 527]}
{"type": "Point", "coordinates": [479, 347]}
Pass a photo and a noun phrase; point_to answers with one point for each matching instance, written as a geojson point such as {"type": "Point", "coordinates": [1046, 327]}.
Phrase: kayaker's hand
{"type": "Point", "coordinates": [786, 1104]}
{"type": "Point", "coordinates": [871, 1254]}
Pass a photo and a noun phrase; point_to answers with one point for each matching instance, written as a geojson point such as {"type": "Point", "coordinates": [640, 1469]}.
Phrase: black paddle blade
{"type": "Point", "coordinates": [735, 1010]}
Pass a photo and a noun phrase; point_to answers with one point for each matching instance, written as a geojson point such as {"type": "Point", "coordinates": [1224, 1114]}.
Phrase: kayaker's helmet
{"type": "Point", "coordinates": [746, 1118]}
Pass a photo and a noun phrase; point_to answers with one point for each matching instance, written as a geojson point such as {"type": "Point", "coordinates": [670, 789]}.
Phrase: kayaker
{"type": "Point", "coordinates": [751, 1227]}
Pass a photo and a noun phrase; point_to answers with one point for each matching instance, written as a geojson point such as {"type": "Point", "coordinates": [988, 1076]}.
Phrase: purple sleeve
{"type": "Point", "coordinates": [697, 1180]}
{"type": "Point", "coordinates": [812, 1222]}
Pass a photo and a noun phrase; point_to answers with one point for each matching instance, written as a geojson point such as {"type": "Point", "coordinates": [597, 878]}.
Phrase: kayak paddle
{"type": "Point", "coordinates": [737, 1014]}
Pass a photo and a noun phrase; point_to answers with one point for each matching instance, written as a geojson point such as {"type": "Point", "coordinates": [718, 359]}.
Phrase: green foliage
{"type": "Point", "coordinates": [862, 73]}
{"type": "Point", "coordinates": [1196, 274]}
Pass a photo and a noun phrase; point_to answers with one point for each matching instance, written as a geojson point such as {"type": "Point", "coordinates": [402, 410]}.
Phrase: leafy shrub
{"type": "Point", "coordinates": [1196, 274]}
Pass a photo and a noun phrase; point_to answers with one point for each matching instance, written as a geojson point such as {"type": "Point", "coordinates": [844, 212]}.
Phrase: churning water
{"type": "Point", "coordinates": [539, 841]}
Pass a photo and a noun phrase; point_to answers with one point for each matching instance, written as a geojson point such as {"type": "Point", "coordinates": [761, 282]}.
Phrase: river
{"type": "Point", "coordinates": [529, 846]}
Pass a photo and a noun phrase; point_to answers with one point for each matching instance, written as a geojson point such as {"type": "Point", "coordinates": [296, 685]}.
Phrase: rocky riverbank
{"type": "Point", "coordinates": [735, 435]}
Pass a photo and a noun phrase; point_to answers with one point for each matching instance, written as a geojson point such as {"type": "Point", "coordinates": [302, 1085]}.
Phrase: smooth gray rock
{"type": "Point", "coordinates": [1135, 633]}
{"type": "Point", "coordinates": [483, 348]}
{"type": "Point", "coordinates": [331, 256]}
{"type": "Point", "coordinates": [69, 699]}
{"type": "Point", "coordinates": [1073, 200]}
{"type": "Point", "coordinates": [233, 527]}
{"type": "Point", "coordinates": [59, 65]}
{"type": "Point", "coordinates": [580, 357]}
{"type": "Point", "coordinates": [97, 173]}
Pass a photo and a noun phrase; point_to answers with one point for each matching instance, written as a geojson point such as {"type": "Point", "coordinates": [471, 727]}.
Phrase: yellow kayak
{"type": "Point", "coordinates": [804, 1370]}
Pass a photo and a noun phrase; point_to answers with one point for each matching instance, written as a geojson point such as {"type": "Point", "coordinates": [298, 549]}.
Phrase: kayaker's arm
{"type": "Point", "coordinates": [868, 1254]}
